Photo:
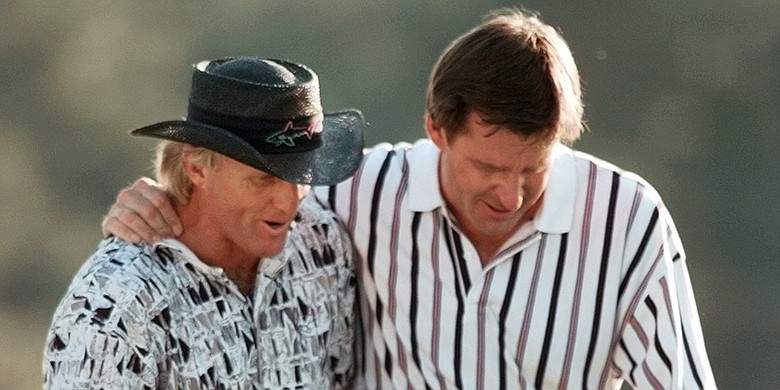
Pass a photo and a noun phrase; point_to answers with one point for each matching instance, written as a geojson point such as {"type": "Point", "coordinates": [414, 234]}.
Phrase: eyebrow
{"type": "Point", "coordinates": [490, 166]}
{"type": "Point", "coordinates": [536, 166]}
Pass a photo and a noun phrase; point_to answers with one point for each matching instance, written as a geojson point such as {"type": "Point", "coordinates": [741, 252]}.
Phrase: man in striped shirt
{"type": "Point", "coordinates": [530, 265]}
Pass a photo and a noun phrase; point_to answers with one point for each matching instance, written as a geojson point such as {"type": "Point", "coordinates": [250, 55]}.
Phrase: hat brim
{"type": "Point", "coordinates": [334, 161]}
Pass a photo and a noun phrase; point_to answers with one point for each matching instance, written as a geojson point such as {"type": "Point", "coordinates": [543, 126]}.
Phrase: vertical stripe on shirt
{"type": "Point", "coordinates": [415, 287]}
{"type": "Point", "coordinates": [371, 258]}
{"type": "Point", "coordinates": [606, 250]}
{"type": "Point", "coordinates": [639, 253]}
{"type": "Point", "coordinates": [502, 318]}
{"type": "Point", "coordinates": [691, 363]}
{"type": "Point", "coordinates": [529, 309]}
{"type": "Point", "coordinates": [455, 249]}
{"type": "Point", "coordinates": [481, 317]}
{"type": "Point", "coordinates": [392, 307]}
{"type": "Point", "coordinates": [353, 197]}
{"type": "Point", "coordinates": [375, 203]}
{"type": "Point", "coordinates": [437, 293]}
{"type": "Point", "coordinates": [548, 334]}
{"type": "Point", "coordinates": [575, 311]}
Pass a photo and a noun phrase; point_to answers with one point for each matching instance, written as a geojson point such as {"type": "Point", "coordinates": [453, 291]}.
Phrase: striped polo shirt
{"type": "Point", "coordinates": [592, 292]}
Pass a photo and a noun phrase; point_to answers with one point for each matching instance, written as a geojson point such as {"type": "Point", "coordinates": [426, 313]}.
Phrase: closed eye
{"type": "Point", "coordinates": [489, 168]}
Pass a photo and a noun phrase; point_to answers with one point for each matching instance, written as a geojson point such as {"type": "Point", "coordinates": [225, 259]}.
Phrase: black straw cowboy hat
{"type": "Point", "coordinates": [267, 114]}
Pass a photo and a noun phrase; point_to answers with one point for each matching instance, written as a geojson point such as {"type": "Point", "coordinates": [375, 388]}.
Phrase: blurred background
{"type": "Point", "coordinates": [685, 93]}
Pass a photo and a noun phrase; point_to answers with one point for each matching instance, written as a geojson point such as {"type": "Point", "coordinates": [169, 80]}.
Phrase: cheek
{"type": "Point", "coordinates": [470, 178]}
{"type": "Point", "coordinates": [535, 185]}
{"type": "Point", "coordinates": [240, 206]}
{"type": "Point", "coordinates": [471, 185]}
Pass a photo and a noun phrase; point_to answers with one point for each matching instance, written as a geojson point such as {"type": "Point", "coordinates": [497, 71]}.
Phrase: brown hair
{"type": "Point", "coordinates": [515, 72]}
{"type": "Point", "coordinates": [169, 168]}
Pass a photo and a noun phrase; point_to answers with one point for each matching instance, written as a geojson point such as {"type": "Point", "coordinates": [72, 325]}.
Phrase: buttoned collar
{"type": "Point", "coordinates": [556, 215]}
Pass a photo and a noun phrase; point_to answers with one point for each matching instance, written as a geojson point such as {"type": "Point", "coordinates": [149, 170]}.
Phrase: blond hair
{"type": "Point", "coordinates": [169, 168]}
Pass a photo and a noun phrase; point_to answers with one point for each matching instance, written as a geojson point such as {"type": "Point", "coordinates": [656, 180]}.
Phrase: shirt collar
{"type": "Point", "coordinates": [269, 266]}
{"type": "Point", "coordinates": [424, 194]}
{"type": "Point", "coordinates": [189, 256]}
{"type": "Point", "coordinates": [556, 215]}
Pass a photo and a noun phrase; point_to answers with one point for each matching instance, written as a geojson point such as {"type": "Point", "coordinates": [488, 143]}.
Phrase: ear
{"type": "Point", "coordinates": [196, 171]}
{"type": "Point", "coordinates": [435, 132]}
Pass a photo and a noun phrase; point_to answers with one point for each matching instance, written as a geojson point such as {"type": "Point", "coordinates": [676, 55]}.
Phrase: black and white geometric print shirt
{"type": "Point", "coordinates": [141, 316]}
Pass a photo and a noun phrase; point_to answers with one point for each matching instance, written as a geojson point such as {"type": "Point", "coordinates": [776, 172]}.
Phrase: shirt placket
{"type": "Point", "coordinates": [219, 276]}
{"type": "Point", "coordinates": [265, 286]}
{"type": "Point", "coordinates": [479, 319]}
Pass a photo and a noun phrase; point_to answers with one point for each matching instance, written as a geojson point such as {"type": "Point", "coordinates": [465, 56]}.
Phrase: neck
{"type": "Point", "coordinates": [202, 237]}
{"type": "Point", "coordinates": [487, 245]}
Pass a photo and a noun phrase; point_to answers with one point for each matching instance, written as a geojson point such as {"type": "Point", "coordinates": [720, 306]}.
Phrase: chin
{"type": "Point", "coordinates": [271, 250]}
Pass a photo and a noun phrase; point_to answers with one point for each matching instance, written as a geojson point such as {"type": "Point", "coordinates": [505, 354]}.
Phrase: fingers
{"type": "Point", "coordinates": [161, 216]}
{"type": "Point", "coordinates": [142, 212]}
{"type": "Point", "coordinates": [114, 225]}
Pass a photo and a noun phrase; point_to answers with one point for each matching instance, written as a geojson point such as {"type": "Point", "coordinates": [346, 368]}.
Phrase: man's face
{"type": "Point", "coordinates": [250, 209]}
{"type": "Point", "coordinates": [492, 179]}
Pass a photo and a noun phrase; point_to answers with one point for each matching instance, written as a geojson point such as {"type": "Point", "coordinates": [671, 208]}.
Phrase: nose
{"type": "Point", "coordinates": [288, 196]}
{"type": "Point", "coordinates": [509, 193]}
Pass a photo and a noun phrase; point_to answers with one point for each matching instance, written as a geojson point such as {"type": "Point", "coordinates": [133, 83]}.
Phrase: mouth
{"type": "Point", "coordinates": [278, 226]}
{"type": "Point", "coordinates": [500, 213]}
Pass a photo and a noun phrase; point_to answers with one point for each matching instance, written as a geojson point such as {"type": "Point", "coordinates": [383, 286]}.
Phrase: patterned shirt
{"type": "Point", "coordinates": [591, 293]}
{"type": "Point", "coordinates": [140, 317]}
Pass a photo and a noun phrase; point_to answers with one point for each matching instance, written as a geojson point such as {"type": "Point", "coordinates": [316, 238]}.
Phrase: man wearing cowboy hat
{"type": "Point", "coordinates": [258, 292]}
